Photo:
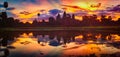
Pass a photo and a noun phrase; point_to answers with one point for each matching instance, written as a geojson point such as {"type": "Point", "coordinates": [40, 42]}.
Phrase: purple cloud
{"type": "Point", "coordinates": [55, 11]}
{"type": "Point", "coordinates": [81, 13]}
{"type": "Point", "coordinates": [42, 10]}
{"type": "Point", "coordinates": [44, 16]}
{"type": "Point", "coordinates": [25, 13]}
{"type": "Point", "coordinates": [115, 8]}
{"type": "Point", "coordinates": [103, 12]}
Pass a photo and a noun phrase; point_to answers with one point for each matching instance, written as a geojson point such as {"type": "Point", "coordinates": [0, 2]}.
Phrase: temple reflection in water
{"type": "Point", "coordinates": [59, 44]}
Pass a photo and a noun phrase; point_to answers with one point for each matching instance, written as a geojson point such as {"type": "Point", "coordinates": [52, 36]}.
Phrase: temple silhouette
{"type": "Point", "coordinates": [65, 20]}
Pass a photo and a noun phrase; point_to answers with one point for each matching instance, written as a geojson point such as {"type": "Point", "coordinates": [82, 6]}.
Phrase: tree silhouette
{"type": "Point", "coordinates": [5, 5]}
{"type": "Point", "coordinates": [38, 15]}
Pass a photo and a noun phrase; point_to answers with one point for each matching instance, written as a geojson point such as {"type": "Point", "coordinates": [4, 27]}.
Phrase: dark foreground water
{"type": "Point", "coordinates": [59, 44]}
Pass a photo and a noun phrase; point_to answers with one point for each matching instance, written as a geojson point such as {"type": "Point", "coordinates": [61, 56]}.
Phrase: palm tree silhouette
{"type": "Point", "coordinates": [38, 15]}
{"type": "Point", "coordinates": [5, 5]}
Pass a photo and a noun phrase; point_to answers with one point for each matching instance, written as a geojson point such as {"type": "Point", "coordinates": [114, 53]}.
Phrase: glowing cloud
{"type": "Point", "coordinates": [28, 9]}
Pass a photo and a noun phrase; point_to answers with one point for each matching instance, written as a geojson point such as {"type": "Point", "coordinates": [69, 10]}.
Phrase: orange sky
{"type": "Point", "coordinates": [32, 7]}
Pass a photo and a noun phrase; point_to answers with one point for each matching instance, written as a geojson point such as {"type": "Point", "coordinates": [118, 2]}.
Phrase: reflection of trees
{"type": "Point", "coordinates": [6, 52]}
{"type": "Point", "coordinates": [59, 37]}
{"type": "Point", "coordinates": [66, 36]}
{"type": "Point", "coordinates": [69, 36]}
{"type": "Point", "coordinates": [62, 37]}
{"type": "Point", "coordinates": [6, 36]}
{"type": "Point", "coordinates": [110, 55]}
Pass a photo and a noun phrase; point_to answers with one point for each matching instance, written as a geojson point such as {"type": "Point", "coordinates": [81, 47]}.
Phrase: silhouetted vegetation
{"type": "Point", "coordinates": [57, 38]}
{"type": "Point", "coordinates": [65, 20]}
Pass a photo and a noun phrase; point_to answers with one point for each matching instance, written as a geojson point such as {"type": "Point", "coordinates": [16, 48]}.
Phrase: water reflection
{"type": "Point", "coordinates": [59, 44]}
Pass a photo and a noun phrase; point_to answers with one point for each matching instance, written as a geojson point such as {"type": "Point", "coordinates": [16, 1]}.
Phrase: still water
{"type": "Point", "coordinates": [59, 44]}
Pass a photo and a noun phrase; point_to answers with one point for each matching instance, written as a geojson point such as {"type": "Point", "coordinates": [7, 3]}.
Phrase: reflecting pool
{"type": "Point", "coordinates": [59, 44]}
